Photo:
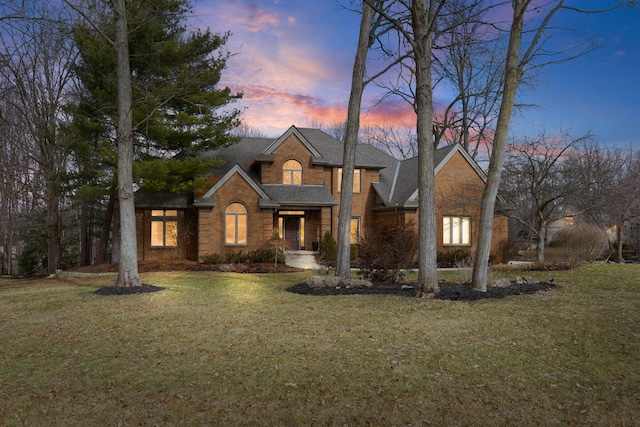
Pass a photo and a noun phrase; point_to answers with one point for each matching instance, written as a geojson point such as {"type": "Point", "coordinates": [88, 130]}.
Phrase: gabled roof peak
{"type": "Point", "coordinates": [292, 130]}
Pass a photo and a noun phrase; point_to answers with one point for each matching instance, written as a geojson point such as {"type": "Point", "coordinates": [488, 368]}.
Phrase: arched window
{"type": "Point", "coordinates": [235, 224]}
{"type": "Point", "coordinates": [292, 173]}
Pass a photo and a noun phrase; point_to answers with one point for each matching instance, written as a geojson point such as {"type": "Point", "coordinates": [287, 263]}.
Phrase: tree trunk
{"type": "Point", "coordinates": [542, 235]}
{"type": "Point", "coordinates": [343, 264]}
{"type": "Point", "coordinates": [103, 243]}
{"type": "Point", "coordinates": [512, 78]}
{"type": "Point", "coordinates": [85, 235]}
{"type": "Point", "coordinates": [54, 251]}
{"type": "Point", "coordinates": [128, 267]}
{"type": "Point", "coordinates": [115, 235]}
{"type": "Point", "coordinates": [620, 258]}
{"type": "Point", "coordinates": [427, 262]}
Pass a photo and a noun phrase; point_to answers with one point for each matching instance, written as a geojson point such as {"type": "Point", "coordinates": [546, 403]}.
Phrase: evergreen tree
{"type": "Point", "coordinates": [177, 104]}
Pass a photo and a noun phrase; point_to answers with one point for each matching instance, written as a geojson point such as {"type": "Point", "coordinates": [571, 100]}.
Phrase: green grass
{"type": "Point", "coordinates": [236, 349]}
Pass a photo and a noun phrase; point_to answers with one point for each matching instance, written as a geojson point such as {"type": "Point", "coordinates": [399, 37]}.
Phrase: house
{"type": "Point", "coordinates": [291, 186]}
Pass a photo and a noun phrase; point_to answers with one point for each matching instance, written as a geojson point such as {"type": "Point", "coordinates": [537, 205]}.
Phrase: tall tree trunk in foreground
{"type": "Point", "coordinates": [343, 264]}
{"type": "Point", "coordinates": [512, 77]}
{"type": "Point", "coordinates": [128, 267]}
{"type": "Point", "coordinates": [422, 22]}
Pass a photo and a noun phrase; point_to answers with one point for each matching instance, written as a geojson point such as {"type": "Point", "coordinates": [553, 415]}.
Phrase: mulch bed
{"type": "Point", "coordinates": [448, 291]}
{"type": "Point", "coordinates": [128, 290]}
{"type": "Point", "coordinates": [180, 265]}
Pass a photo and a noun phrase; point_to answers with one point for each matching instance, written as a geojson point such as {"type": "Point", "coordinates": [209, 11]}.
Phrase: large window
{"type": "Point", "coordinates": [292, 173]}
{"type": "Point", "coordinates": [354, 230]}
{"type": "Point", "coordinates": [456, 230]}
{"type": "Point", "coordinates": [235, 224]}
{"type": "Point", "coordinates": [164, 228]}
{"type": "Point", "coordinates": [356, 180]}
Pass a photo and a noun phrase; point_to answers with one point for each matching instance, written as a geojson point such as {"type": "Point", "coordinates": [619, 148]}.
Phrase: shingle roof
{"type": "Point", "coordinates": [397, 184]}
{"type": "Point", "coordinates": [298, 195]}
{"type": "Point", "coordinates": [162, 199]}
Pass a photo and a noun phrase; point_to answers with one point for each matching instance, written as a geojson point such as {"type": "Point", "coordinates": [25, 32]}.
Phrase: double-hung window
{"type": "Point", "coordinates": [456, 230]}
{"type": "Point", "coordinates": [164, 228]}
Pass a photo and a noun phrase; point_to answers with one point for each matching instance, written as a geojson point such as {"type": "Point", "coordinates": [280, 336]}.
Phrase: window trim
{"type": "Point", "coordinates": [236, 217]}
{"type": "Point", "coordinates": [355, 190]}
{"type": "Point", "coordinates": [291, 173]}
{"type": "Point", "coordinates": [461, 220]}
{"type": "Point", "coordinates": [164, 219]}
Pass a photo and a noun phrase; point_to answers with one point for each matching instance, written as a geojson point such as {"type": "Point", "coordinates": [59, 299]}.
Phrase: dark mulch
{"type": "Point", "coordinates": [448, 291]}
{"type": "Point", "coordinates": [182, 265]}
{"type": "Point", "coordinates": [127, 290]}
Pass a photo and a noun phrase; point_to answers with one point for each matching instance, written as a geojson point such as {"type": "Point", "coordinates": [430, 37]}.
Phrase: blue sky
{"type": "Point", "coordinates": [293, 59]}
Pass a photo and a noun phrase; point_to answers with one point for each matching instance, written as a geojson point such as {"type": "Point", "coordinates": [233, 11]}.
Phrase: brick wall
{"type": "Point", "coordinates": [260, 226]}
{"type": "Point", "coordinates": [187, 237]}
{"type": "Point", "coordinates": [458, 193]}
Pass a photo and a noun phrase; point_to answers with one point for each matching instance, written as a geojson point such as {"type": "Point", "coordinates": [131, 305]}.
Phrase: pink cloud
{"type": "Point", "coordinates": [257, 19]}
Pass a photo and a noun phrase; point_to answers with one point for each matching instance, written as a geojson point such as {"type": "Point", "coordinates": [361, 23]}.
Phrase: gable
{"type": "Point", "coordinates": [271, 149]}
{"type": "Point", "coordinates": [208, 198]}
{"type": "Point", "coordinates": [457, 162]}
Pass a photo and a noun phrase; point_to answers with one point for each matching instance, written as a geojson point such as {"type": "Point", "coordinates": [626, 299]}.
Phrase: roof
{"type": "Point", "coordinates": [397, 186]}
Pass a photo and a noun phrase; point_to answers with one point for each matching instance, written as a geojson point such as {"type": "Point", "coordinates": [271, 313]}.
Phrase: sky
{"type": "Point", "coordinates": [293, 61]}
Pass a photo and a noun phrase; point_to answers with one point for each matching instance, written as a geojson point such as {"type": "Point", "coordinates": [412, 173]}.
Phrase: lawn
{"type": "Point", "coordinates": [237, 349]}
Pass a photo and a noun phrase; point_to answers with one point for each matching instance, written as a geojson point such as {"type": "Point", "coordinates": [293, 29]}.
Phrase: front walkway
{"type": "Point", "coordinates": [302, 259]}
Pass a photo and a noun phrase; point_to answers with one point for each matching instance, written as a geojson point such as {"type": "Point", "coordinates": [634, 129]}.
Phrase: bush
{"type": "Point", "coordinates": [212, 259]}
{"type": "Point", "coordinates": [581, 243]}
{"type": "Point", "coordinates": [384, 253]}
{"type": "Point", "coordinates": [454, 258]}
{"type": "Point", "coordinates": [328, 248]}
{"type": "Point", "coordinates": [266, 254]}
{"type": "Point", "coordinates": [353, 254]}
{"type": "Point", "coordinates": [273, 252]}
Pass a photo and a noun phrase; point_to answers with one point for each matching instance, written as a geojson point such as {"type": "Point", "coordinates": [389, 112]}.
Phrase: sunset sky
{"type": "Point", "coordinates": [293, 61]}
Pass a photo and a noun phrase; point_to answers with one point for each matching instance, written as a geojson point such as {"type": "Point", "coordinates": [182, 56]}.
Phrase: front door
{"type": "Point", "coordinates": [292, 233]}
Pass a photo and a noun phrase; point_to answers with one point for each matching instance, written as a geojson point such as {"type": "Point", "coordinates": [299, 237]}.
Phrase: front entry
{"type": "Point", "coordinates": [292, 233]}
{"type": "Point", "coordinates": [291, 228]}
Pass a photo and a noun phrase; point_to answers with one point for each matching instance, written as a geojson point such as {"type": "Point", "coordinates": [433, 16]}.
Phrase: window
{"type": "Point", "coordinates": [354, 230]}
{"type": "Point", "coordinates": [235, 224]}
{"type": "Point", "coordinates": [292, 173]}
{"type": "Point", "coordinates": [164, 228]}
{"type": "Point", "coordinates": [456, 230]}
{"type": "Point", "coordinates": [356, 180]}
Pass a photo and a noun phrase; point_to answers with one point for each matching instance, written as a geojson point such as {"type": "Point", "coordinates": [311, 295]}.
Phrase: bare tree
{"type": "Point", "coordinates": [38, 57]}
{"type": "Point", "coordinates": [610, 178]}
{"type": "Point", "coordinates": [415, 23]}
{"type": "Point", "coordinates": [467, 60]}
{"type": "Point", "coordinates": [248, 131]}
{"type": "Point", "coordinates": [517, 66]}
{"type": "Point", "coordinates": [17, 200]}
{"type": "Point", "coordinates": [538, 183]}
{"type": "Point", "coordinates": [343, 267]}
{"type": "Point", "coordinates": [399, 140]}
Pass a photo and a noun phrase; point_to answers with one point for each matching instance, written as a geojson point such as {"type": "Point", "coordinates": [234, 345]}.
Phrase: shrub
{"type": "Point", "coordinates": [507, 250]}
{"type": "Point", "coordinates": [454, 258]}
{"type": "Point", "coordinates": [273, 252]}
{"type": "Point", "coordinates": [581, 243]}
{"type": "Point", "coordinates": [385, 252]}
{"type": "Point", "coordinates": [328, 248]}
{"type": "Point", "coordinates": [353, 254]}
{"type": "Point", "coordinates": [236, 257]}
{"type": "Point", "coordinates": [212, 259]}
